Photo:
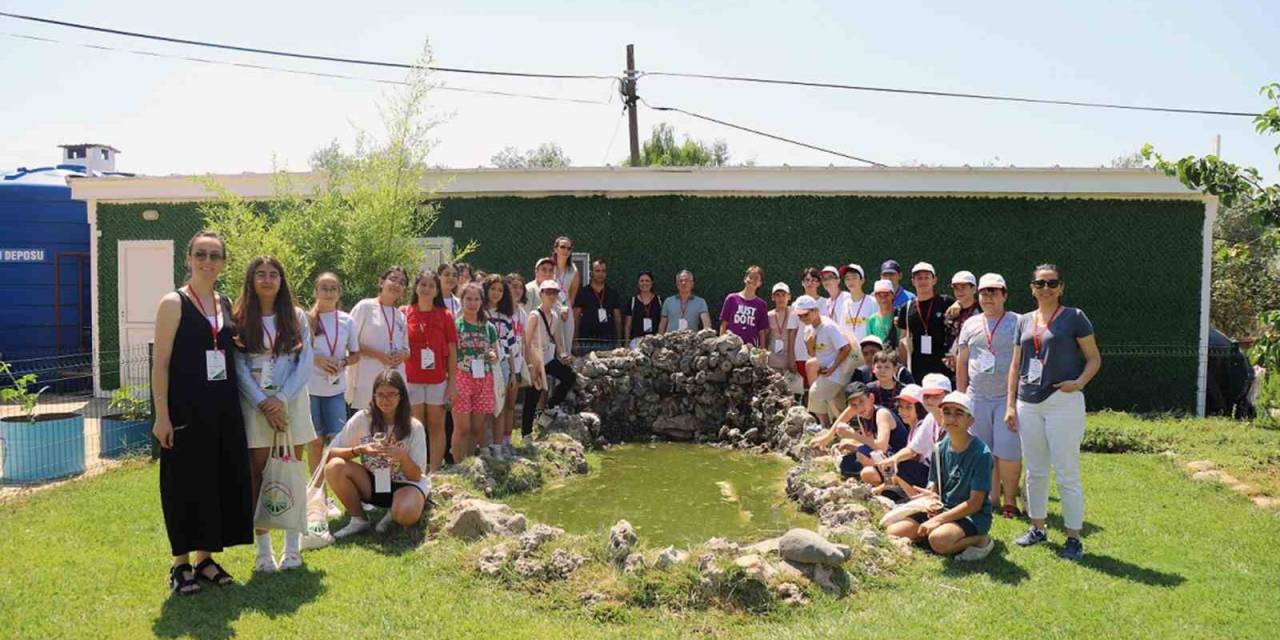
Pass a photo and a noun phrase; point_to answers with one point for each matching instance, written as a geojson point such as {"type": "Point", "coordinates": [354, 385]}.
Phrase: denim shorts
{"type": "Point", "coordinates": [328, 414]}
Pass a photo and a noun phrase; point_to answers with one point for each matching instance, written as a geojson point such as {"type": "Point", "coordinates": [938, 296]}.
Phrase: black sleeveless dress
{"type": "Point", "coordinates": [204, 478]}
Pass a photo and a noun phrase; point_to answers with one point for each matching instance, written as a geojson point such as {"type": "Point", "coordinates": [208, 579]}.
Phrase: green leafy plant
{"type": "Point", "coordinates": [131, 402]}
{"type": "Point", "coordinates": [19, 392]}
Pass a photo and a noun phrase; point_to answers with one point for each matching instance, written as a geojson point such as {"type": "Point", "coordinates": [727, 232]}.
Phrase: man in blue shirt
{"type": "Point", "coordinates": [961, 479]}
{"type": "Point", "coordinates": [890, 270]}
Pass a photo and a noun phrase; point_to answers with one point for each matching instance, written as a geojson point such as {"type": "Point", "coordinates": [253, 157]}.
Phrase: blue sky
{"type": "Point", "coordinates": [172, 116]}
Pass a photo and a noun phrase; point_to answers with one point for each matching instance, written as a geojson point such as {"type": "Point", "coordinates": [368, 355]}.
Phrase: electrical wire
{"type": "Point", "coordinates": [301, 72]}
{"type": "Point", "coordinates": [303, 56]}
{"type": "Point", "coordinates": [762, 133]}
{"type": "Point", "coordinates": [950, 94]}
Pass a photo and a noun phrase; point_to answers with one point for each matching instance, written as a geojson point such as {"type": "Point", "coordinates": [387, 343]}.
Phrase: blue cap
{"type": "Point", "coordinates": [890, 266]}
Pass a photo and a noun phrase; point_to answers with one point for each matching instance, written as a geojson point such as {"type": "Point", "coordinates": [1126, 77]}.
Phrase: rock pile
{"type": "Point", "coordinates": [683, 386]}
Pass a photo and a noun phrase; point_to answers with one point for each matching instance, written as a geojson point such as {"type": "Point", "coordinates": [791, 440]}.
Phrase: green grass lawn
{"type": "Point", "coordinates": [1166, 558]}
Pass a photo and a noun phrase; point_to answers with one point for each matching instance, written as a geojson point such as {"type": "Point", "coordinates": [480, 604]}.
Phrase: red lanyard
{"type": "Point", "coordinates": [831, 312]}
{"type": "Point", "coordinates": [990, 334]}
{"type": "Point", "coordinates": [333, 346]}
{"type": "Point", "coordinates": [858, 314]}
{"type": "Point", "coordinates": [684, 308]}
{"type": "Point", "coordinates": [600, 296]}
{"type": "Point", "coordinates": [924, 317]}
{"type": "Point", "coordinates": [391, 325]}
{"type": "Point", "coordinates": [782, 327]}
{"type": "Point", "coordinates": [216, 325]}
{"type": "Point", "coordinates": [1036, 332]}
{"type": "Point", "coordinates": [271, 340]}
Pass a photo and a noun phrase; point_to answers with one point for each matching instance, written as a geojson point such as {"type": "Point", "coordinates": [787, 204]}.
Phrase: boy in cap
{"type": "Point", "coordinates": [965, 285]}
{"type": "Point", "coordinates": [961, 480]}
{"type": "Point", "coordinates": [830, 365]}
{"type": "Point", "coordinates": [883, 322]}
{"type": "Point", "coordinates": [891, 271]}
{"type": "Point", "coordinates": [870, 430]}
{"type": "Point", "coordinates": [923, 325]}
{"type": "Point", "coordinates": [858, 306]}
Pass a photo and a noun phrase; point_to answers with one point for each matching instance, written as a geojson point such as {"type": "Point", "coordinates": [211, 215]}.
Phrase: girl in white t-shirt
{"type": "Point", "coordinates": [392, 447]}
{"type": "Point", "coordinates": [335, 345]}
{"type": "Point", "coordinates": [382, 334]}
{"type": "Point", "coordinates": [810, 278]}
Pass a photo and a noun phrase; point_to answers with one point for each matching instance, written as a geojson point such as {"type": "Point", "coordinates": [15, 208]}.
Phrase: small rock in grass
{"type": "Point", "coordinates": [622, 537]}
{"type": "Point", "coordinates": [669, 556]}
{"type": "Point", "coordinates": [633, 563]}
{"type": "Point", "coordinates": [533, 539]}
{"type": "Point", "coordinates": [755, 565]}
{"type": "Point", "coordinates": [492, 559]}
{"type": "Point", "coordinates": [1201, 465]}
{"type": "Point", "coordinates": [471, 519]}
{"type": "Point", "coordinates": [790, 593]}
{"type": "Point", "coordinates": [803, 545]}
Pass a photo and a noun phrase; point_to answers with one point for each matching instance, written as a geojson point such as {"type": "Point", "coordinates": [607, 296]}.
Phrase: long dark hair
{"type": "Point", "coordinates": [555, 257]}
{"type": "Point", "coordinates": [435, 277]}
{"type": "Point", "coordinates": [481, 316]}
{"type": "Point", "coordinates": [456, 285]}
{"type": "Point", "coordinates": [524, 293]}
{"type": "Point", "coordinates": [404, 419]}
{"type": "Point", "coordinates": [206, 233]}
{"type": "Point", "coordinates": [313, 316]}
{"type": "Point", "coordinates": [506, 306]}
{"type": "Point", "coordinates": [385, 274]}
{"type": "Point", "coordinates": [248, 313]}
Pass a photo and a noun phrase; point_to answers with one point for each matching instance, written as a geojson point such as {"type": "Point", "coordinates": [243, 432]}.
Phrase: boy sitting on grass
{"type": "Point", "coordinates": [964, 520]}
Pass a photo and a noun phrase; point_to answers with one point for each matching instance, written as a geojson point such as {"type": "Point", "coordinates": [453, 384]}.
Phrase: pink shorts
{"type": "Point", "coordinates": [475, 395]}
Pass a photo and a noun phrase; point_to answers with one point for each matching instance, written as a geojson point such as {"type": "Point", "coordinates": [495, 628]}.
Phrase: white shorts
{"type": "Point", "coordinates": [432, 394]}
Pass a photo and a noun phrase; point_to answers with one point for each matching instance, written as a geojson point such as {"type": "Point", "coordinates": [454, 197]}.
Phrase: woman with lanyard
{"type": "Point", "coordinates": [1054, 357]}
{"type": "Point", "coordinates": [205, 490]}
{"type": "Point", "coordinates": [335, 344]}
{"type": "Point", "coordinates": [501, 311]}
{"type": "Point", "coordinates": [645, 312]}
{"type": "Point", "coordinates": [810, 278]}
{"type": "Point", "coordinates": [984, 355]}
{"type": "Point", "coordinates": [515, 282]}
{"type": "Point", "coordinates": [272, 369]}
{"type": "Point", "coordinates": [546, 355]}
{"type": "Point", "coordinates": [478, 359]}
{"type": "Point", "coordinates": [432, 362]}
{"type": "Point", "coordinates": [783, 327]}
{"type": "Point", "coordinates": [380, 327]}
{"type": "Point", "coordinates": [449, 285]}
{"type": "Point", "coordinates": [566, 276]}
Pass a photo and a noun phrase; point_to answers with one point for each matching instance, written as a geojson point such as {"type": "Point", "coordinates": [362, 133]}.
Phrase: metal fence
{"type": "Point", "coordinates": [71, 431]}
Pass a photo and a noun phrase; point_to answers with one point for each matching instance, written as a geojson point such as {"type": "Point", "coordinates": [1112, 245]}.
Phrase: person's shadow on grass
{"type": "Point", "coordinates": [209, 614]}
{"type": "Point", "coordinates": [996, 565]}
{"type": "Point", "coordinates": [1126, 570]}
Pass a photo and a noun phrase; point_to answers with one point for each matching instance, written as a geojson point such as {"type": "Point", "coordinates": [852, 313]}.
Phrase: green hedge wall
{"type": "Point", "coordinates": [1132, 265]}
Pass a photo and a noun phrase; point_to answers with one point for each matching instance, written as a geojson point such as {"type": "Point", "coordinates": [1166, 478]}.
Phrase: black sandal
{"type": "Point", "coordinates": [220, 575]}
{"type": "Point", "coordinates": [179, 583]}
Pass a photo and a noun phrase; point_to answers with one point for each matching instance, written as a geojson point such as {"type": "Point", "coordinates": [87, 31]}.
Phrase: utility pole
{"type": "Point", "coordinates": [1217, 145]}
{"type": "Point", "coordinates": [629, 94]}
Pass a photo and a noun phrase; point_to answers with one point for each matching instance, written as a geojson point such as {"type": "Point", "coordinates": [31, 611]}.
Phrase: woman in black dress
{"type": "Point", "coordinates": [204, 461]}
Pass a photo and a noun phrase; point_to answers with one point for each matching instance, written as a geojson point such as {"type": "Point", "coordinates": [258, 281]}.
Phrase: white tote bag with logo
{"type": "Point", "coordinates": [282, 501]}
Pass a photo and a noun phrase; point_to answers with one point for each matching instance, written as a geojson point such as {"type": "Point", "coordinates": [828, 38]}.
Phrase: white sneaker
{"type": "Point", "coordinates": [290, 560]}
{"type": "Point", "coordinates": [367, 507]}
{"type": "Point", "coordinates": [265, 563]}
{"type": "Point", "coordinates": [385, 523]}
{"type": "Point", "coordinates": [977, 551]}
{"type": "Point", "coordinates": [333, 510]}
{"type": "Point", "coordinates": [357, 525]}
{"type": "Point", "coordinates": [316, 540]}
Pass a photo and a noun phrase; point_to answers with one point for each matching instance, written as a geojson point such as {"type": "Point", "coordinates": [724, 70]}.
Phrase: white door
{"type": "Point", "coordinates": [145, 275]}
{"type": "Point", "coordinates": [436, 251]}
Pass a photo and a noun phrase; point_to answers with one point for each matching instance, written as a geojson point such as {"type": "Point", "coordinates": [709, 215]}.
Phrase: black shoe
{"type": "Point", "coordinates": [220, 576]}
{"type": "Point", "coordinates": [179, 583]}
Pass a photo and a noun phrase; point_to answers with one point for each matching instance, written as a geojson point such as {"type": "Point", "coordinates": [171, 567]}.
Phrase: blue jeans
{"type": "Point", "coordinates": [328, 414]}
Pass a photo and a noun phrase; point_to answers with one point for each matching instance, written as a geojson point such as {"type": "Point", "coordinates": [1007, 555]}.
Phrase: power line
{"type": "Point", "coordinates": [762, 133]}
{"type": "Point", "coordinates": [950, 94]}
{"type": "Point", "coordinates": [301, 72]}
{"type": "Point", "coordinates": [303, 56]}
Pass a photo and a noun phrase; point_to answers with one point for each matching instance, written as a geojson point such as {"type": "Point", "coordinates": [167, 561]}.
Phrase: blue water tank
{"type": "Point", "coordinates": [44, 266]}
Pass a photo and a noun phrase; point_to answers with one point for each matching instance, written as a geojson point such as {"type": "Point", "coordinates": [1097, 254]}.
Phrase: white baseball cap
{"type": "Point", "coordinates": [781, 286]}
{"type": "Point", "coordinates": [936, 383]}
{"type": "Point", "coordinates": [549, 285]}
{"type": "Point", "coordinates": [964, 277]}
{"type": "Point", "coordinates": [923, 266]}
{"type": "Point", "coordinates": [830, 269]}
{"type": "Point", "coordinates": [853, 267]}
{"type": "Point", "coordinates": [805, 303]}
{"type": "Point", "coordinates": [882, 286]}
{"type": "Point", "coordinates": [912, 392]}
{"type": "Point", "coordinates": [872, 338]}
{"type": "Point", "coordinates": [960, 399]}
{"type": "Point", "coordinates": [992, 281]}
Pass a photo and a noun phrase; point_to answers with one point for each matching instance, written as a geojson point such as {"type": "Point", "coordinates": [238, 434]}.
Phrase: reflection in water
{"type": "Point", "coordinates": [673, 494]}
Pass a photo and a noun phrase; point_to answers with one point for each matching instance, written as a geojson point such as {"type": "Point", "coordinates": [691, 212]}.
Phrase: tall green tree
{"type": "Point", "coordinates": [547, 155]}
{"type": "Point", "coordinates": [662, 150]}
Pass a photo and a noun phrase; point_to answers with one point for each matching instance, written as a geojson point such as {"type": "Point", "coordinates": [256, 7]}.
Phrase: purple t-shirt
{"type": "Point", "coordinates": [746, 318]}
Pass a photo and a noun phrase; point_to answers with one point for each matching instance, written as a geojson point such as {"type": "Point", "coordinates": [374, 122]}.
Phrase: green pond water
{"type": "Point", "coordinates": [673, 494]}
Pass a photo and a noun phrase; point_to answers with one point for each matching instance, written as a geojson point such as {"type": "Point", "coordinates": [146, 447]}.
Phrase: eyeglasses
{"type": "Point", "coordinates": [1052, 284]}
{"type": "Point", "coordinates": [395, 280]}
{"type": "Point", "coordinates": [212, 256]}
{"type": "Point", "coordinates": [266, 275]}
{"type": "Point", "coordinates": [329, 289]}
{"type": "Point", "coordinates": [387, 395]}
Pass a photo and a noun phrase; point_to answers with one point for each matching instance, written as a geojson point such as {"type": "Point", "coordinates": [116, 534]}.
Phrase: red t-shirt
{"type": "Point", "coordinates": [435, 330]}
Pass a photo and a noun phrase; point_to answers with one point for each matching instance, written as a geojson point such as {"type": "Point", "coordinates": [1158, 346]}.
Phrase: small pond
{"type": "Point", "coordinates": [676, 494]}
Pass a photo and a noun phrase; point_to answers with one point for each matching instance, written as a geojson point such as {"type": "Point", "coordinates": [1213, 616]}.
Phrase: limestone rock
{"type": "Point", "coordinates": [533, 539]}
{"type": "Point", "coordinates": [563, 563]}
{"type": "Point", "coordinates": [722, 545]}
{"type": "Point", "coordinates": [668, 557]}
{"type": "Point", "coordinates": [680, 427]}
{"type": "Point", "coordinates": [790, 593]}
{"type": "Point", "coordinates": [492, 560]}
{"type": "Point", "coordinates": [471, 519]}
{"type": "Point", "coordinates": [634, 562]}
{"type": "Point", "coordinates": [769, 545]}
{"type": "Point", "coordinates": [805, 546]}
{"type": "Point", "coordinates": [1201, 465]}
{"type": "Point", "coordinates": [622, 537]}
{"type": "Point", "coordinates": [588, 598]}
{"type": "Point", "coordinates": [756, 566]}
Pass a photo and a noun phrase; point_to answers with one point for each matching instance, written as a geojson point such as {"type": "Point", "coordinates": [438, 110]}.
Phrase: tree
{"type": "Point", "coordinates": [362, 216]}
{"type": "Point", "coordinates": [661, 150]}
{"type": "Point", "coordinates": [1248, 236]}
{"type": "Point", "coordinates": [547, 155]}
{"type": "Point", "coordinates": [1130, 161]}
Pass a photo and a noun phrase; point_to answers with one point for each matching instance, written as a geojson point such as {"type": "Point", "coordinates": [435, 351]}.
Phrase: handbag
{"type": "Point", "coordinates": [282, 498]}
{"type": "Point", "coordinates": [499, 390]}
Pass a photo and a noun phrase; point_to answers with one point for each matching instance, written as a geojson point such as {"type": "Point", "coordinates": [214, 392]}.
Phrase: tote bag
{"type": "Point", "coordinates": [282, 502]}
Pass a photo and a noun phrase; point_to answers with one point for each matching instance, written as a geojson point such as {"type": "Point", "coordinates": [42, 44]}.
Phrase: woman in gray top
{"type": "Point", "coordinates": [1054, 357]}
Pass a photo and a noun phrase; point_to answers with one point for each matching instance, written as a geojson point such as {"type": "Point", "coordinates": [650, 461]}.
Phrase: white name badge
{"type": "Point", "coordinates": [926, 345]}
{"type": "Point", "coordinates": [682, 324]}
{"type": "Point", "coordinates": [647, 324]}
{"type": "Point", "coordinates": [215, 365]}
{"type": "Point", "coordinates": [382, 480]}
{"type": "Point", "coordinates": [602, 315]}
{"type": "Point", "coordinates": [428, 358]}
{"type": "Point", "coordinates": [1035, 369]}
{"type": "Point", "coordinates": [986, 361]}
{"type": "Point", "coordinates": [477, 368]}
{"type": "Point", "coordinates": [778, 346]}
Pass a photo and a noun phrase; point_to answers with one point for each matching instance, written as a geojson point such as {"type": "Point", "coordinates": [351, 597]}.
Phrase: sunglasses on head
{"type": "Point", "coordinates": [1042, 283]}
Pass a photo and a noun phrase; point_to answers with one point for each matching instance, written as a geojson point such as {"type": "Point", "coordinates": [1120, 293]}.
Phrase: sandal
{"type": "Point", "coordinates": [1010, 511]}
{"type": "Point", "coordinates": [220, 576]}
{"type": "Point", "coordinates": [179, 583]}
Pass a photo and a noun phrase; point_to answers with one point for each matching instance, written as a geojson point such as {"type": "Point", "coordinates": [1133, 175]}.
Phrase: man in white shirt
{"type": "Point", "coordinates": [829, 366]}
